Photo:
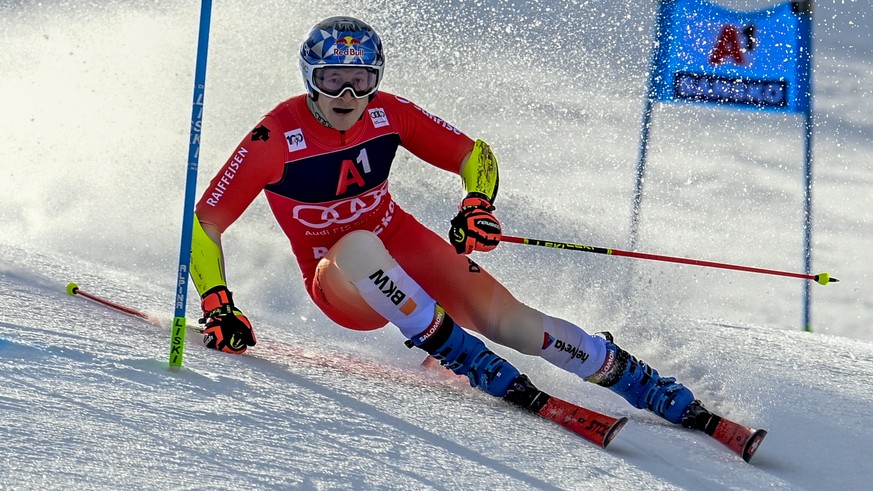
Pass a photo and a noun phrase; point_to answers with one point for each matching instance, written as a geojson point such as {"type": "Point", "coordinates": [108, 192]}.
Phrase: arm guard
{"type": "Point", "coordinates": [479, 172]}
{"type": "Point", "coordinates": [207, 262]}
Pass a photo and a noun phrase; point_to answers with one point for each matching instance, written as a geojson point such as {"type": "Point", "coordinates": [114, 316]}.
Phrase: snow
{"type": "Point", "coordinates": [96, 105]}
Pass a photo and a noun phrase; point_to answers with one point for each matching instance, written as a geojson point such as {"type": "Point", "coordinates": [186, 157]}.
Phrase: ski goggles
{"type": "Point", "coordinates": [334, 80]}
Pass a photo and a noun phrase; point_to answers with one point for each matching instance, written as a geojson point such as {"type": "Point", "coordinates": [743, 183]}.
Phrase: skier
{"type": "Point", "coordinates": [323, 159]}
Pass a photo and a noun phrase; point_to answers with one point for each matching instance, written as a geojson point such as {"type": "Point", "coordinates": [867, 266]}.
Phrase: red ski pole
{"type": "Point", "coordinates": [73, 289]}
{"type": "Point", "coordinates": [821, 278]}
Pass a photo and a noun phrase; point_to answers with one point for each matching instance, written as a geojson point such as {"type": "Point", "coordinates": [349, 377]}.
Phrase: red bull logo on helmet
{"type": "Point", "coordinates": [348, 46]}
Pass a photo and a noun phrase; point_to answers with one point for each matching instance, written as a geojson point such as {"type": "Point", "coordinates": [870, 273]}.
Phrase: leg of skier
{"type": "Point", "coordinates": [479, 302]}
{"type": "Point", "coordinates": [360, 282]}
{"type": "Point", "coordinates": [597, 359]}
{"type": "Point", "coordinates": [360, 285]}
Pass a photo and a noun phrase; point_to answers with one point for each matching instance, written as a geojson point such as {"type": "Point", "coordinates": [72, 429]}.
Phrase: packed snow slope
{"type": "Point", "coordinates": [95, 116]}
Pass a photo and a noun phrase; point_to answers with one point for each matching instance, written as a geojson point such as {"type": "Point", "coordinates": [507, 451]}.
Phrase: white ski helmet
{"type": "Point", "coordinates": [346, 45]}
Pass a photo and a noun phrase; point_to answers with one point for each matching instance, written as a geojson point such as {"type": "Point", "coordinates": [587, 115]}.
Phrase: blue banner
{"type": "Point", "coordinates": [754, 60]}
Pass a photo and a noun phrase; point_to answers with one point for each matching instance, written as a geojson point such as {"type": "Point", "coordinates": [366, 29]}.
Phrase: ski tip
{"type": "Point", "coordinates": [72, 289]}
{"type": "Point", "coordinates": [610, 434]}
{"type": "Point", "coordinates": [753, 443]}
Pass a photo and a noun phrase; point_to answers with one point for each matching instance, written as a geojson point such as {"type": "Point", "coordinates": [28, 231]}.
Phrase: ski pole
{"type": "Point", "coordinates": [821, 278]}
{"type": "Point", "coordinates": [73, 289]}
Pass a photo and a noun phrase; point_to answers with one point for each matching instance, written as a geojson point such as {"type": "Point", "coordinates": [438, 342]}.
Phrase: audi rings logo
{"type": "Point", "coordinates": [341, 212]}
{"type": "Point", "coordinates": [379, 118]}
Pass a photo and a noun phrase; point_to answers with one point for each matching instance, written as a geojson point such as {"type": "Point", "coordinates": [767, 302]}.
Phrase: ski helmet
{"type": "Point", "coordinates": [342, 44]}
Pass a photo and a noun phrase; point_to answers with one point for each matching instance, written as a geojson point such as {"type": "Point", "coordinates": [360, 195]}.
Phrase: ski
{"type": "Point", "coordinates": [599, 429]}
{"type": "Point", "coordinates": [740, 439]}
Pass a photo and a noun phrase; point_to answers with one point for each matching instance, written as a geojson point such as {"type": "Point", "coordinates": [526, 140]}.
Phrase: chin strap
{"type": "Point", "coordinates": [313, 108]}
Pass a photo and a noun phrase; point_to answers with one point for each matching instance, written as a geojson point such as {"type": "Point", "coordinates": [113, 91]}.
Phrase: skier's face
{"type": "Point", "coordinates": [344, 111]}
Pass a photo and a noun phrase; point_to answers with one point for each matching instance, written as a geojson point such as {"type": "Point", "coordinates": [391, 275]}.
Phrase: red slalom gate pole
{"type": "Point", "coordinates": [821, 278]}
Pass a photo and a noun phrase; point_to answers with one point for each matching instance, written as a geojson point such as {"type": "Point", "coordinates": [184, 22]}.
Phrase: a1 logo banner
{"type": "Point", "coordinates": [756, 60]}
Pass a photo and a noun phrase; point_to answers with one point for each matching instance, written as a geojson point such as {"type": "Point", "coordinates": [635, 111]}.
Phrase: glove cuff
{"type": "Point", "coordinates": [217, 298]}
{"type": "Point", "coordinates": [475, 201]}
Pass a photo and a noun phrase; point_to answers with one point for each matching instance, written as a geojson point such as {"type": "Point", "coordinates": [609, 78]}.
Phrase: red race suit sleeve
{"type": "Point", "coordinates": [429, 137]}
{"type": "Point", "coordinates": [256, 162]}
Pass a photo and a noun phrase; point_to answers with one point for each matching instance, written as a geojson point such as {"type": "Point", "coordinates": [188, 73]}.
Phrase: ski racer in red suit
{"type": "Point", "coordinates": [323, 160]}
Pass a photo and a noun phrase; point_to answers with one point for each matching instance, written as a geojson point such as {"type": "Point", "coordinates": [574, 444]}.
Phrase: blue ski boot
{"type": "Point", "coordinates": [465, 354]}
{"type": "Point", "coordinates": [641, 385]}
